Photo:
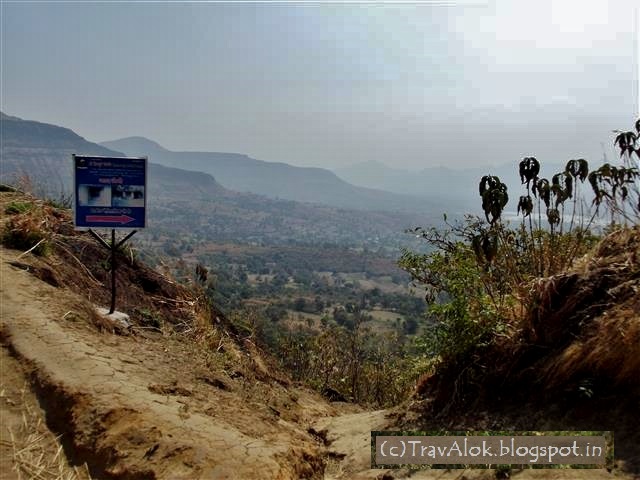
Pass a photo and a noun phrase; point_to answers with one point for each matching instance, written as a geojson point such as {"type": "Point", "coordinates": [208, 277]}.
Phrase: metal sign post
{"type": "Point", "coordinates": [110, 192]}
{"type": "Point", "coordinates": [113, 247]}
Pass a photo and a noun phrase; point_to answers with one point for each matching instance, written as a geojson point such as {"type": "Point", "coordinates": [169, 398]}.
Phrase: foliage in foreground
{"type": "Point", "coordinates": [480, 274]}
{"type": "Point", "coordinates": [345, 362]}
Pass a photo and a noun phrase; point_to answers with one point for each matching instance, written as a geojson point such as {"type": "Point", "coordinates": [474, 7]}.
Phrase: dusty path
{"type": "Point", "coordinates": [136, 407]}
{"type": "Point", "coordinates": [128, 409]}
{"type": "Point", "coordinates": [349, 440]}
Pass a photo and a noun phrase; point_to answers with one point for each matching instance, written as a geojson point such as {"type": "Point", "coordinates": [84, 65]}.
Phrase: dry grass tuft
{"type": "Point", "coordinates": [580, 333]}
{"type": "Point", "coordinates": [590, 316]}
{"type": "Point", "coordinates": [33, 224]}
{"type": "Point", "coordinates": [36, 452]}
{"type": "Point", "coordinates": [611, 349]}
{"type": "Point", "coordinates": [564, 307]}
{"type": "Point", "coordinates": [573, 364]}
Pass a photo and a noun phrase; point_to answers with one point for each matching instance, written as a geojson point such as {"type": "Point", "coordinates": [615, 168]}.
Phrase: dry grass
{"type": "Point", "coordinates": [36, 452]}
{"type": "Point", "coordinates": [55, 252]}
{"type": "Point", "coordinates": [592, 314]}
{"type": "Point", "coordinates": [611, 350]}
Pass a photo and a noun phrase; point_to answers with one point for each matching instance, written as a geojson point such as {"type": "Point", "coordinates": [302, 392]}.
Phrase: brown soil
{"type": "Point", "coordinates": [188, 399]}
{"type": "Point", "coordinates": [27, 447]}
{"type": "Point", "coordinates": [136, 408]}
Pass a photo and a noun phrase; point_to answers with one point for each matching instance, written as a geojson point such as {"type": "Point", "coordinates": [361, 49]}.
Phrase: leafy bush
{"type": "Point", "coordinates": [467, 303]}
{"type": "Point", "coordinates": [478, 274]}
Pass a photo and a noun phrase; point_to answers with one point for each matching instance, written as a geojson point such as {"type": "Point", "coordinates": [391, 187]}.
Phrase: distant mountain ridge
{"type": "Point", "coordinates": [184, 202]}
{"type": "Point", "coordinates": [278, 180]}
{"type": "Point", "coordinates": [42, 152]}
{"type": "Point", "coordinates": [141, 144]}
{"type": "Point", "coordinates": [19, 133]}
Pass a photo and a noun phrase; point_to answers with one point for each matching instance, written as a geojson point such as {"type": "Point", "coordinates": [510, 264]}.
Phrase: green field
{"type": "Point", "coordinates": [383, 321]}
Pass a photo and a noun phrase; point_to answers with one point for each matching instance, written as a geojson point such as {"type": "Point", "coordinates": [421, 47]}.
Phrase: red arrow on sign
{"type": "Point", "coordinates": [109, 219]}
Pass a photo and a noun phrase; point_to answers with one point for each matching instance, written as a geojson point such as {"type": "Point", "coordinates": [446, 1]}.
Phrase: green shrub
{"type": "Point", "coordinates": [479, 272]}
{"type": "Point", "coordinates": [467, 304]}
{"type": "Point", "coordinates": [16, 207]}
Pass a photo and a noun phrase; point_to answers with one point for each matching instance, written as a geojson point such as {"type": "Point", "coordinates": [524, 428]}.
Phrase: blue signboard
{"type": "Point", "coordinates": [109, 192]}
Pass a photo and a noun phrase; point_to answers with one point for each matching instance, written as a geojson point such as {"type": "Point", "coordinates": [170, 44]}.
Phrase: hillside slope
{"type": "Point", "coordinates": [42, 152]}
{"type": "Point", "coordinates": [136, 408]}
{"type": "Point", "coordinates": [178, 395]}
{"type": "Point", "coordinates": [572, 362]}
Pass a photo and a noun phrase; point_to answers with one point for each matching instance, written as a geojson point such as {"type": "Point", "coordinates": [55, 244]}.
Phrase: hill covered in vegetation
{"type": "Point", "coordinates": [537, 326]}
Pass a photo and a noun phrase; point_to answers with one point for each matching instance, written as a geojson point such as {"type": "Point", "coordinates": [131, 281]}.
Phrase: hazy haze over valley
{"type": "Point", "coordinates": [412, 86]}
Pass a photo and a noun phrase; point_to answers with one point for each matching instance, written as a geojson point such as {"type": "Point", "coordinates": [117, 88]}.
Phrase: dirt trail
{"type": "Point", "coordinates": [124, 406]}
{"type": "Point", "coordinates": [349, 440]}
{"type": "Point", "coordinates": [136, 407]}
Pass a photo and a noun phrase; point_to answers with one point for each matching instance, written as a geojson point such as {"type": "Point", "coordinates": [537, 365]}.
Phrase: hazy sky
{"type": "Point", "coordinates": [329, 84]}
